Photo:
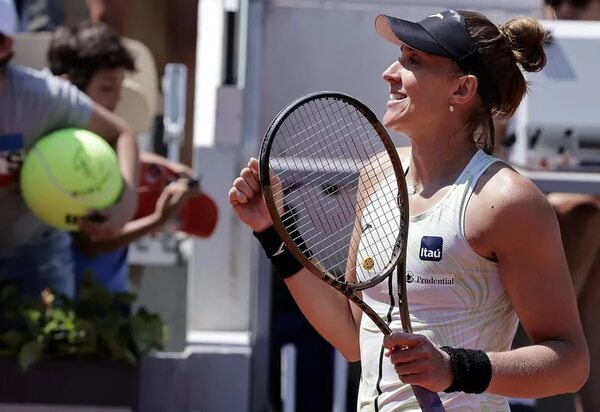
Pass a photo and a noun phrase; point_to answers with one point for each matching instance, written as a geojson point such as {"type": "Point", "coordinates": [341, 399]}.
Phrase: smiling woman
{"type": "Point", "coordinates": [474, 257]}
{"type": "Point", "coordinates": [440, 61]}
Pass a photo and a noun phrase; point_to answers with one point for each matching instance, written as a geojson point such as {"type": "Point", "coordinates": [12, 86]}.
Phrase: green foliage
{"type": "Point", "coordinates": [90, 326]}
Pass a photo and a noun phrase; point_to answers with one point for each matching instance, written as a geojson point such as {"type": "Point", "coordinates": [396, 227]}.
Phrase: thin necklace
{"type": "Point", "coordinates": [412, 187]}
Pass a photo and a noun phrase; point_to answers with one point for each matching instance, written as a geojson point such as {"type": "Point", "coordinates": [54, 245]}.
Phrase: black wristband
{"type": "Point", "coordinates": [286, 265]}
{"type": "Point", "coordinates": [471, 370]}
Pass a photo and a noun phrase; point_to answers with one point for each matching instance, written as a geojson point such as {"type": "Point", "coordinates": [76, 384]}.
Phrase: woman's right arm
{"type": "Point", "coordinates": [328, 311]}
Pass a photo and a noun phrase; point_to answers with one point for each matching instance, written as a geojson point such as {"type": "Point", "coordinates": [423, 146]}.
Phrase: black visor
{"type": "Point", "coordinates": [442, 34]}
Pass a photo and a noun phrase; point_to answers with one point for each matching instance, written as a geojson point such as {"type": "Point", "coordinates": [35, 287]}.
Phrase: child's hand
{"type": "Point", "coordinates": [107, 223]}
{"type": "Point", "coordinates": [173, 199]}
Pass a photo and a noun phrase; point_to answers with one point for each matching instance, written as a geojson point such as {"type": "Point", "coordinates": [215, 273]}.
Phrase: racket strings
{"type": "Point", "coordinates": [326, 152]}
{"type": "Point", "coordinates": [337, 227]}
{"type": "Point", "coordinates": [342, 181]}
{"type": "Point", "coordinates": [381, 219]}
{"type": "Point", "coordinates": [345, 182]}
{"type": "Point", "coordinates": [331, 201]}
{"type": "Point", "coordinates": [378, 251]}
{"type": "Point", "coordinates": [303, 162]}
{"type": "Point", "coordinates": [380, 227]}
{"type": "Point", "coordinates": [373, 249]}
{"type": "Point", "coordinates": [309, 131]}
{"type": "Point", "coordinates": [336, 224]}
{"type": "Point", "coordinates": [337, 158]}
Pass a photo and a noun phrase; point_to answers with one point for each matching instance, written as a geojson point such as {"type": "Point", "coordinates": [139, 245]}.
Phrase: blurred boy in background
{"type": "Point", "coordinates": [168, 28]}
{"type": "Point", "coordinates": [32, 104]}
{"type": "Point", "coordinates": [93, 58]}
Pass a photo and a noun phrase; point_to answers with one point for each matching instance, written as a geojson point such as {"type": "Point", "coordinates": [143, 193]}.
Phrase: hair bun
{"type": "Point", "coordinates": [525, 38]}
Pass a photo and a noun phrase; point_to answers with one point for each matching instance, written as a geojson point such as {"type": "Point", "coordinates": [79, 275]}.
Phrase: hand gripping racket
{"type": "Point", "coordinates": [335, 189]}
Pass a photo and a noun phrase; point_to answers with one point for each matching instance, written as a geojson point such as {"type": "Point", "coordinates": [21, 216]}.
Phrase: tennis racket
{"type": "Point", "coordinates": [326, 167]}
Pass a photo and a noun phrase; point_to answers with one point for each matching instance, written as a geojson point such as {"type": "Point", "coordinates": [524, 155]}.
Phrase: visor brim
{"type": "Point", "coordinates": [398, 31]}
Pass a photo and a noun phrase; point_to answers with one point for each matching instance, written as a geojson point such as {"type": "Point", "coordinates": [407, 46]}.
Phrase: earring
{"type": "Point", "coordinates": [451, 108]}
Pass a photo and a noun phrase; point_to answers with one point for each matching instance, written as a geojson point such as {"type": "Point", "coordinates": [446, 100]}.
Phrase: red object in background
{"type": "Point", "coordinates": [198, 218]}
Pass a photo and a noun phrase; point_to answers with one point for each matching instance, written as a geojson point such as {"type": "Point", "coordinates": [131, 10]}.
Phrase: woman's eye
{"type": "Point", "coordinates": [407, 61]}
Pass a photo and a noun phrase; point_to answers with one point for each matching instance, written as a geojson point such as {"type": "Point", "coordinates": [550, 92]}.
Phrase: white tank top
{"type": "Point", "coordinates": [455, 298]}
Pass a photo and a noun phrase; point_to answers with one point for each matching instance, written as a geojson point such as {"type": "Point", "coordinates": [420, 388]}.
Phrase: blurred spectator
{"type": "Point", "coordinates": [33, 104]}
{"type": "Point", "coordinates": [169, 30]}
{"type": "Point", "coordinates": [572, 9]}
{"type": "Point", "coordinates": [93, 57]}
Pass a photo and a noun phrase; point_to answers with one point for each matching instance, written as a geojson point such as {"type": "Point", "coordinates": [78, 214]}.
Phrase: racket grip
{"type": "Point", "coordinates": [428, 401]}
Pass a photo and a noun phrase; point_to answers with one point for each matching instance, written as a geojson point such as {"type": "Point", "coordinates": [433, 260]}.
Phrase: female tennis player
{"type": "Point", "coordinates": [484, 248]}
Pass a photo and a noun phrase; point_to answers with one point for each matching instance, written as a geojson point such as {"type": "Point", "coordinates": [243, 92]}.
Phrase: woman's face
{"type": "Point", "coordinates": [105, 87]}
{"type": "Point", "coordinates": [420, 89]}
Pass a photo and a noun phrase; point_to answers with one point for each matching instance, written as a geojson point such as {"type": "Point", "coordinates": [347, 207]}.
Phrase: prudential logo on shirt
{"type": "Point", "coordinates": [431, 248]}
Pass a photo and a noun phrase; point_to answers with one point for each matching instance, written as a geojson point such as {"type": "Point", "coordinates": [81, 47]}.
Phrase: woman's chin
{"type": "Point", "coordinates": [393, 123]}
{"type": "Point", "coordinates": [388, 120]}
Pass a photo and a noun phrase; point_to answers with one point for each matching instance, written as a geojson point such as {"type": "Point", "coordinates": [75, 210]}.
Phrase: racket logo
{"type": "Point", "coordinates": [279, 251]}
{"type": "Point", "coordinates": [368, 263]}
{"type": "Point", "coordinates": [431, 248]}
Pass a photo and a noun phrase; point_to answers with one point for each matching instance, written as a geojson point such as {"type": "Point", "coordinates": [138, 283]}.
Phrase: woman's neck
{"type": "Point", "coordinates": [434, 167]}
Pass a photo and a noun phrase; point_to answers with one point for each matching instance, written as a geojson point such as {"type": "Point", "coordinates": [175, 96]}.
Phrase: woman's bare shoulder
{"type": "Point", "coordinates": [504, 195]}
{"type": "Point", "coordinates": [506, 206]}
{"type": "Point", "coordinates": [501, 182]}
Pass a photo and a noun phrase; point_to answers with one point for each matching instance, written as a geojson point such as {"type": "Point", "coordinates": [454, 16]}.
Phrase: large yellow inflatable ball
{"type": "Point", "coordinates": [67, 174]}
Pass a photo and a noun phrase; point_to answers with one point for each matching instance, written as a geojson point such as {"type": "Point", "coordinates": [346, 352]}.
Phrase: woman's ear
{"type": "Point", "coordinates": [465, 89]}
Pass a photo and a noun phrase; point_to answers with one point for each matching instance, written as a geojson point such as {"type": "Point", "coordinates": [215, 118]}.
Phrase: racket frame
{"type": "Point", "coordinates": [349, 289]}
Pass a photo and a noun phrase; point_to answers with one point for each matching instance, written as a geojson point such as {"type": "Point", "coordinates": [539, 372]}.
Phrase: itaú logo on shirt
{"type": "Point", "coordinates": [431, 248]}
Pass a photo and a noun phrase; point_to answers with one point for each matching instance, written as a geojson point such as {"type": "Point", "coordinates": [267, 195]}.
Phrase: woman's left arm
{"type": "Point", "coordinates": [522, 232]}
{"type": "Point", "coordinates": [509, 220]}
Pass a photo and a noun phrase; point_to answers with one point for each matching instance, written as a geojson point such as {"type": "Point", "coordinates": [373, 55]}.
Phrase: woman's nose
{"type": "Point", "coordinates": [392, 73]}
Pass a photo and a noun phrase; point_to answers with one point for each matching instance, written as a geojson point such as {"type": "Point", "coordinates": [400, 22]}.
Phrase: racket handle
{"type": "Point", "coordinates": [428, 401]}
